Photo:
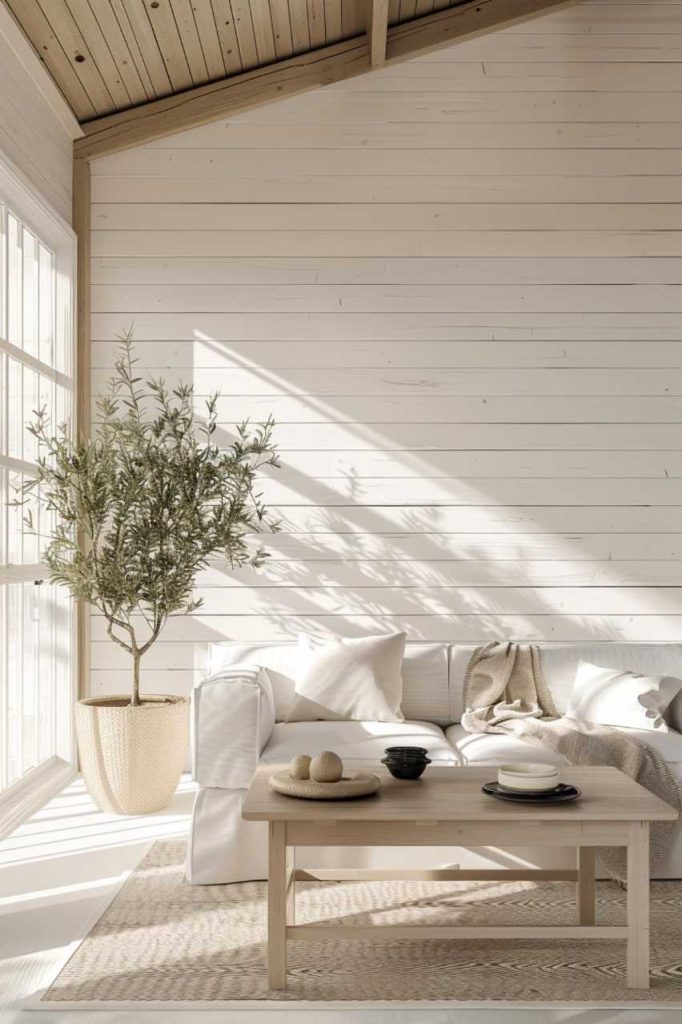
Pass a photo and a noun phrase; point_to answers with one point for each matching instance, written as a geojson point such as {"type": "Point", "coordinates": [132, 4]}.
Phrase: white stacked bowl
{"type": "Point", "coordinates": [528, 778]}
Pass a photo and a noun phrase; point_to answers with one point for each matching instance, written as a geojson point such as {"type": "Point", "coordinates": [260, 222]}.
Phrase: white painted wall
{"type": "Point", "coordinates": [37, 128]}
{"type": "Point", "coordinates": [456, 285]}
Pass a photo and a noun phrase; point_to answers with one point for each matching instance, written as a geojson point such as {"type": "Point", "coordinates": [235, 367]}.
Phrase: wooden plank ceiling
{"type": "Point", "coordinates": [110, 55]}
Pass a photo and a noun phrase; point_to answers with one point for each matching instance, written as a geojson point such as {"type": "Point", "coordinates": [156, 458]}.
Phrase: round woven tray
{"type": "Point", "coordinates": [348, 788]}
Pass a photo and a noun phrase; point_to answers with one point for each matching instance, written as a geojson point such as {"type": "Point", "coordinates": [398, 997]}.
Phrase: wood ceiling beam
{"type": "Point", "coordinates": [378, 32]}
{"type": "Point", "coordinates": [298, 74]}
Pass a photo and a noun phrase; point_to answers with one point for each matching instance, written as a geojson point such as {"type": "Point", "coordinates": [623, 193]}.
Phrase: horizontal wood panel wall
{"type": "Point", "coordinates": [456, 283]}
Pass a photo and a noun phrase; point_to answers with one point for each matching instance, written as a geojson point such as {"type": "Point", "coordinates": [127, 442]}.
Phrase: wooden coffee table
{"type": "Point", "coordinates": [447, 808]}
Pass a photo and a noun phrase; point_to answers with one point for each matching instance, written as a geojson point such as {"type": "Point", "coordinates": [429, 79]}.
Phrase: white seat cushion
{"type": "Point", "coordinates": [494, 749]}
{"type": "Point", "coordinates": [355, 742]}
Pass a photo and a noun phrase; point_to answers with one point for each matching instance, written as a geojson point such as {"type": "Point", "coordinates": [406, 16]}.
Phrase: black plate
{"type": "Point", "coordinates": [562, 794]}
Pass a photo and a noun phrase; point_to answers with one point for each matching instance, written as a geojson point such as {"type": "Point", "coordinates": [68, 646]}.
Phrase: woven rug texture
{"type": "Point", "coordinates": [162, 939]}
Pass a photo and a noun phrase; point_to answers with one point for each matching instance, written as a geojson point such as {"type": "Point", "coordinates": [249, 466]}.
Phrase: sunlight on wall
{"type": "Point", "coordinates": [457, 293]}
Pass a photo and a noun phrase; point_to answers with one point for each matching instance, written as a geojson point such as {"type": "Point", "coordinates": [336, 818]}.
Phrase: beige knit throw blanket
{"type": "Point", "coordinates": [505, 692]}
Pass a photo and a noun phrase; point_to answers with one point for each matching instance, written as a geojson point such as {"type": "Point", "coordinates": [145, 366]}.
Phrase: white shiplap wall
{"type": "Point", "coordinates": [456, 284]}
{"type": "Point", "coordinates": [36, 126]}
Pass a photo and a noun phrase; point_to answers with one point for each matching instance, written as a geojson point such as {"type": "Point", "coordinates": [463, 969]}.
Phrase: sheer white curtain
{"type": "Point", "coordinates": [36, 369]}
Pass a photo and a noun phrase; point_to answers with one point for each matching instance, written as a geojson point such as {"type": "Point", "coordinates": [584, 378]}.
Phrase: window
{"type": "Point", "coordinates": [36, 369]}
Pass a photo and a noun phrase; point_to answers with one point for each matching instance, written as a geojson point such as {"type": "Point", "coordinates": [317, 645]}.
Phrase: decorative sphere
{"type": "Point", "coordinates": [326, 767]}
{"type": "Point", "coordinates": [299, 767]}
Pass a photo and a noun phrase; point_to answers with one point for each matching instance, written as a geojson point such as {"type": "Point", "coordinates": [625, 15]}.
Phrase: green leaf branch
{"type": "Point", "coordinates": [143, 505]}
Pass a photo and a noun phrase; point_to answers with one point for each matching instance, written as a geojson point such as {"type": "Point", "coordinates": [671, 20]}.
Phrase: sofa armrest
{"type": "Point", "coordinates": [233, 716]}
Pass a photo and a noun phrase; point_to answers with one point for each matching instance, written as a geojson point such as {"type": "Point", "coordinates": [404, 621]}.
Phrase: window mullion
{"type": "Point", "coordinates": [37, 364]}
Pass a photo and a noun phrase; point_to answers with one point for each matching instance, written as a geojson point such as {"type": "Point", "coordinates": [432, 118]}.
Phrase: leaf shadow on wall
{"type": "Point", "coordinates": [419, 558]}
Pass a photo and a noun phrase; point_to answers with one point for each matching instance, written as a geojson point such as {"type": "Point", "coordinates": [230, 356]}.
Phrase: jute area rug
{"type": "Point", "coordinates": [161, 939]}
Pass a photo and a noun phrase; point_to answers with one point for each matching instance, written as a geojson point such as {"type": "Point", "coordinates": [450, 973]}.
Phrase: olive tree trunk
{"type": "Point", "coordinates": [136, 678]}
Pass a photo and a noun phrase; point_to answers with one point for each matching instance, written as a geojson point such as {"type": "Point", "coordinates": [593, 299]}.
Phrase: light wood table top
{"type": "Point", "coordinates": [454, 794]}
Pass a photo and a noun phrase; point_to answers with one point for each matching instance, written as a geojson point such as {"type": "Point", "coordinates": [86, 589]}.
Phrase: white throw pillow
{"type": "Point", "coordinates": [358, 680]}
{"type": "Point", "coordinates": [609, 696]}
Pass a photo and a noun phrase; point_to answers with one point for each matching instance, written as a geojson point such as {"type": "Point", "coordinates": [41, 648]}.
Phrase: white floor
{"type": "Point", "coordinates": [58, 868]}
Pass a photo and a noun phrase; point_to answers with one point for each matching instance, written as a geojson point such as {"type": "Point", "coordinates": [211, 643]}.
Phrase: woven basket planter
{"type": "Point", "coordinates": [132, 757]}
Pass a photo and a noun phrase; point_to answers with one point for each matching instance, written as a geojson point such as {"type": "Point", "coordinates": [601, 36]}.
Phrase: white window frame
{"type": "Point", "coordinates": [19, 196]}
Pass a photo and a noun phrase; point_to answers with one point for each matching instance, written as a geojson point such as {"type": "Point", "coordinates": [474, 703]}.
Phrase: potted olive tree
{"type": "Point", "coordinates": [140, 508]}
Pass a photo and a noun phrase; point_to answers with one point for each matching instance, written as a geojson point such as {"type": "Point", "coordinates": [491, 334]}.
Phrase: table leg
{"type": "Point", "coordinates": [638, 905]}
{"type": "Point", "coordinates": [280, 903]}
{"type": "Point", "coordinates": [290, 856]}
{"type": "Point", "coordinates": [585, 885]}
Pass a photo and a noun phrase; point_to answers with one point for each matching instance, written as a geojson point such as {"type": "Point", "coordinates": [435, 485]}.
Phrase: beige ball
{"type": "Point", "coordinates": [326, 767]}
{"type": "Point", "coordinates": [299, 768]}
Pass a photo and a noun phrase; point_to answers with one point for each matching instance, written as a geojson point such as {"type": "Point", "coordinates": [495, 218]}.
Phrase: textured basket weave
{"type": "Point", "coordinates": [132, 757]}
{"type": "Point", "coordinates": [348, 788]}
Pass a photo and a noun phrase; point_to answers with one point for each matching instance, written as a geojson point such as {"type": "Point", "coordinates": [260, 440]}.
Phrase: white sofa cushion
{"type": "Point", "coordinates": [608, 696]}
{"type": "Point", "coordinates": [474, 748]}
{"type": "Point", "coordinates": [560, 664]}
{"type": "Point", "coordinates": [426, 696]}
{"type": "Point", "coordinates": [495, 749]}
{"type": "Point", "coordinates": [355, 742]}
{"type": "Point", "coordinates": [233, 715]}
{"type": "Point", "coordinates": [354, 679]}
{"type": "Point", "coordinates": [280, 660]}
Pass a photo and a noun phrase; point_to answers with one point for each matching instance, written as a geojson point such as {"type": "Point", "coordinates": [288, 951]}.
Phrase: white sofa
{"type": "Point", "coordinates": [237, 724]}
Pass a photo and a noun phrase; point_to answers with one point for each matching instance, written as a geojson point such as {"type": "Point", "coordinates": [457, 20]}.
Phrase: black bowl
{"type": "Point", "coordinates": [409, 752]}
{"type": "Point", "coordinates": [401, 768]}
